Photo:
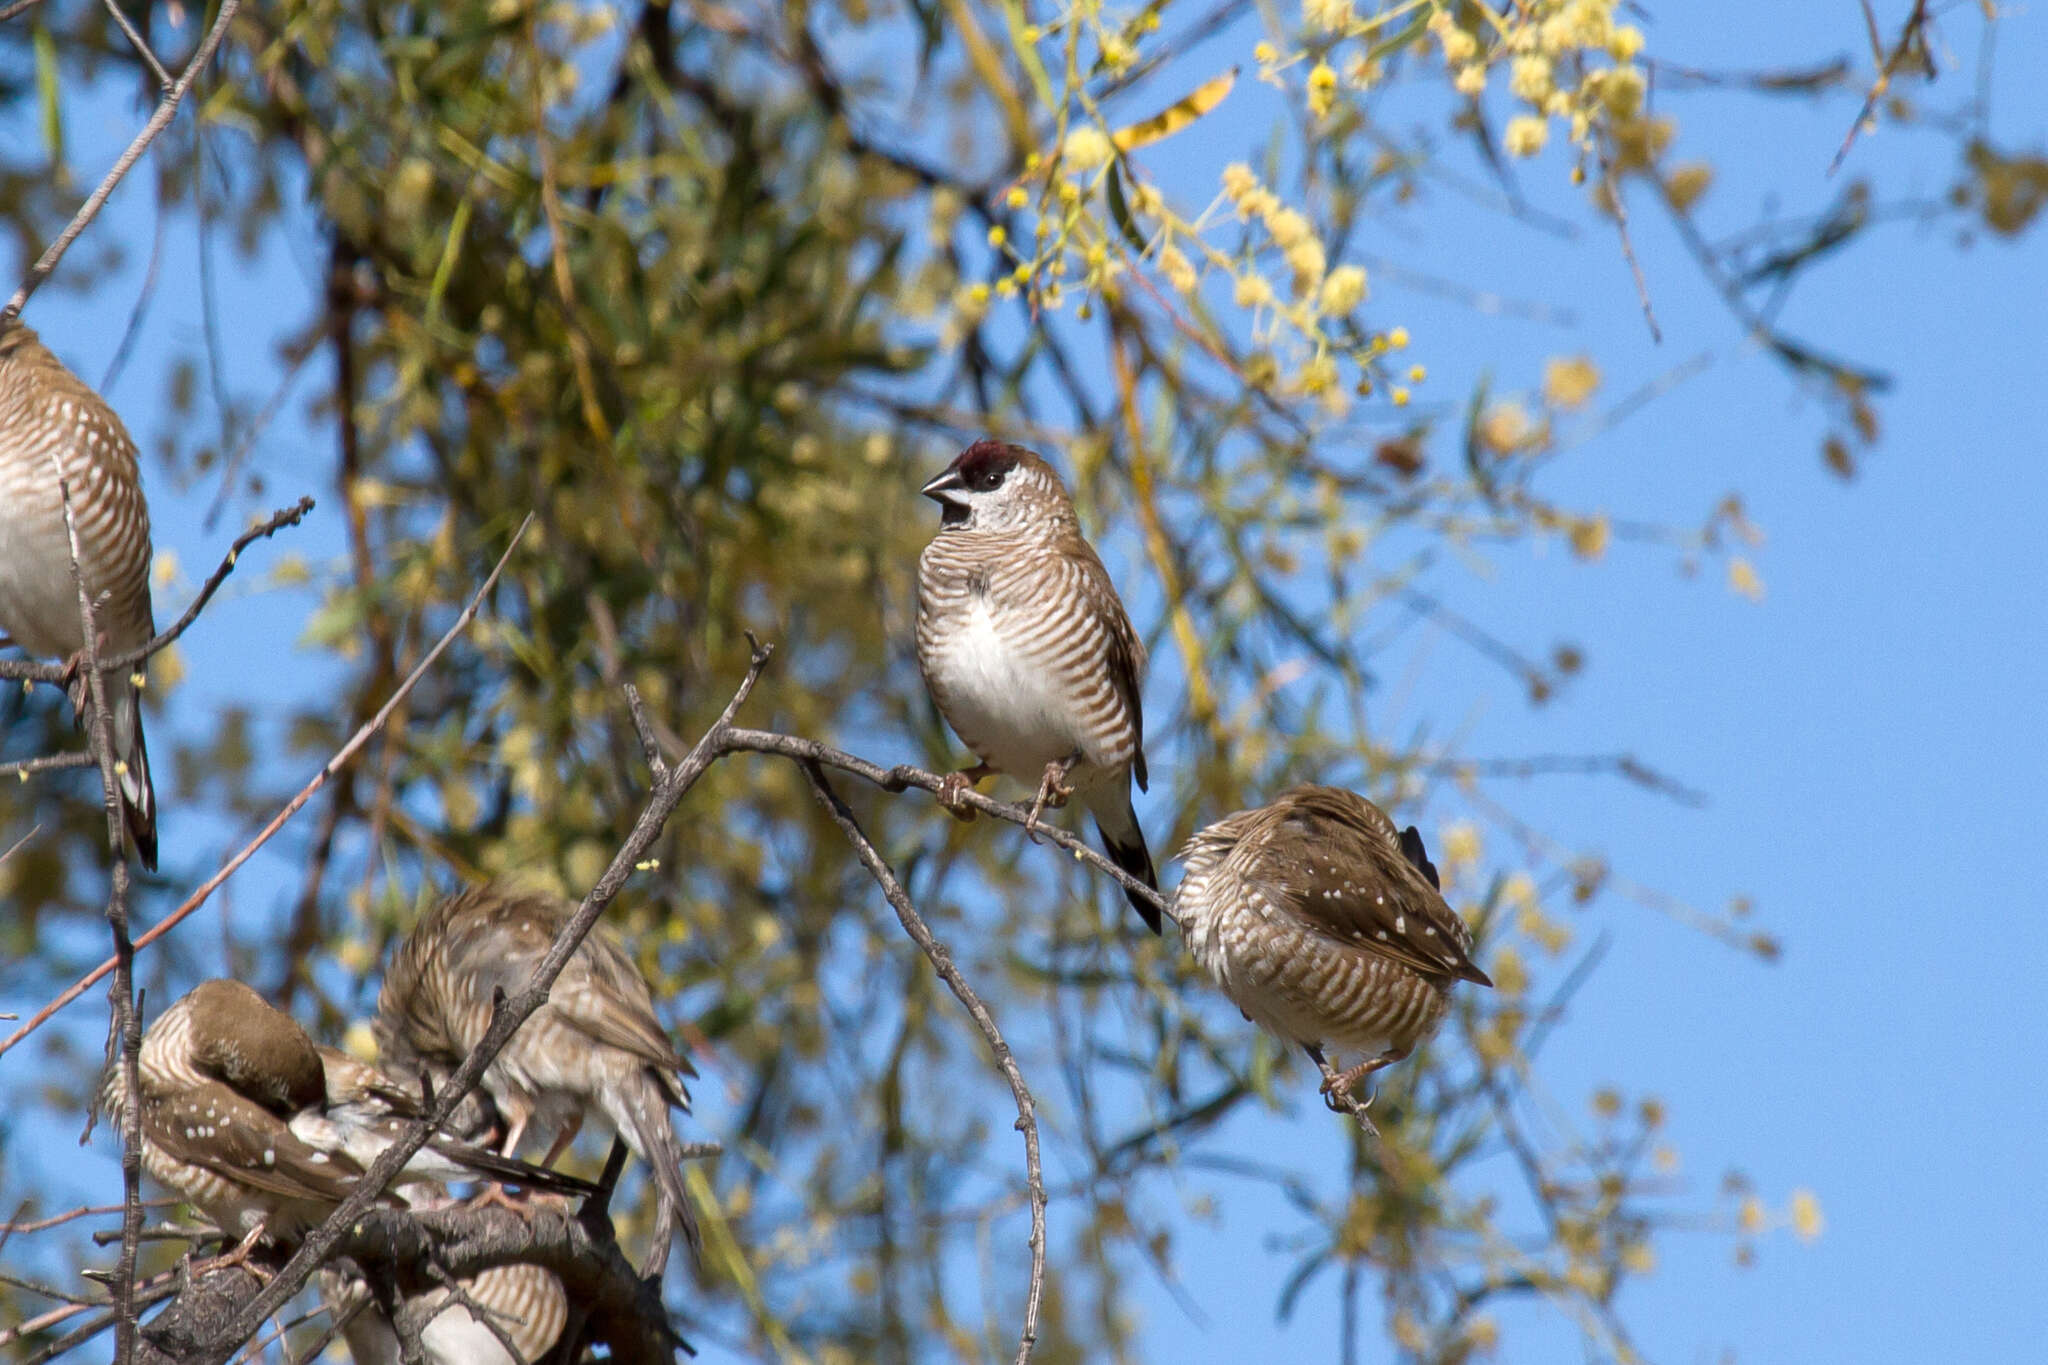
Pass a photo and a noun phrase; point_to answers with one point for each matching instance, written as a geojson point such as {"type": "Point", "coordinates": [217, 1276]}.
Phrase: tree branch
{"type": "Point", "coordinates": [904, 776]}
{"type": "Point", "coordinates": [942, 963]}
{"type": "Point", "coordinates": [292, 807]}
{"type": "Point", "coordinates": [31, 671]}
{"type": "Point", "coordinates": [410, 1250]}
{"type": "Point", "coordinates": [124, 1031]}
{"type": "Point", "coordinates": [166, 108]}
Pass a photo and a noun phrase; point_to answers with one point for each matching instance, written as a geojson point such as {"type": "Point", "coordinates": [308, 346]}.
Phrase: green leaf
{"type": "Point", "coordinates": [47, 89]}
{"type": "Point", "coordinates": [1121, 211]}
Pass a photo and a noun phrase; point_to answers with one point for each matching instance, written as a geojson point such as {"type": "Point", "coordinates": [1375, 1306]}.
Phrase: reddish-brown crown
{"type": "Point", "coordinates": [984, 465]}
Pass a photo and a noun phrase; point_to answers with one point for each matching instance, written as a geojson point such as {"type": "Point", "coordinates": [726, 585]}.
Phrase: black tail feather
{"type": "Point", "coordinates": [1418, 856]}
{"type": "Point", "coordinates": [1128, 852]}
{"type": "Point", "coordinates": [509, 1171]}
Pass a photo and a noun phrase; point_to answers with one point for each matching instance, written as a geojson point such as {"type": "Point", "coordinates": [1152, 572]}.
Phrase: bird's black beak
{"type": "Point", "coordinates": [947, 482]}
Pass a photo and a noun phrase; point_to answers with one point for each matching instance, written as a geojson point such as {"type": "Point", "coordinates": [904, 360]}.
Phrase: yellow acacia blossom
{"type": "Point", "coordinates": [1343, 290]}
{"type": "Point", "coordinates": [1326, 16]}
{"type": "Point", "coordinates": [1086, 147]}
{"type": "Point", "coordinates": [1253, 291]}
{"type": "Point", "coordinates": [1568, 381]}
{"type": "Point", "coordinates": [1525, 135]}
{"type": "Point", "coordinates": [1178, 270]}
{"type": "Point", "coordinates": [1305, 258]}
{"type": "Point", "coordinates": [1322, 89]}
{"type": "Point", "coordinates": [1530, 78]}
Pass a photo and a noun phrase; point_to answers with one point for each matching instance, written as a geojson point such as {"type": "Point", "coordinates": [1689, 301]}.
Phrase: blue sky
{"type": "Point", "coordinates": [1867, 732]}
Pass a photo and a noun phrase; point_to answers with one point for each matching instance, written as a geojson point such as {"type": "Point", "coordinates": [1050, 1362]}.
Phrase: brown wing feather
{"type": "Point", "coordinates": [213, 1127]}
{"type": "Point", "coordinates": [1124, 652]}
{"type": "Point", "coordinates": [498, 937]}
{"type": "Point", "coordinates": [1337, 859]}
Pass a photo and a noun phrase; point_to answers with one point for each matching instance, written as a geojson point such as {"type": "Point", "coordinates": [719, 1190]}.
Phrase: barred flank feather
{"type": "Point", "coordinates": [595, 1045]}
{"type": "Point", "coordinates": [56, 437]}
{"type": "Point", "coordinates": [1025, 645]}
{"type": "Point", "coordinates": [1323, 924]}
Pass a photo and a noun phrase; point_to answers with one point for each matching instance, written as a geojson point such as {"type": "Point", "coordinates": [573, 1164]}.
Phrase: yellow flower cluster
{"type": "Point", "coordinates": [1544, 44]}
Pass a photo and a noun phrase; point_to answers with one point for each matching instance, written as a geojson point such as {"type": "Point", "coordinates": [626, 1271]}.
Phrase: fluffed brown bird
{"type": "Point", "coordinates": [247, 1120]}
{"type": "Point", "coordinates": [1027, 649]}
{"type": "Point", "coordinates": [1325, 926]}
{"type": "Point", "coordinates": [51, 421]}
{"type": "Point", "coordinates": [526, 1302]}
{"type": "Point", "coordinates": [595, 1045]}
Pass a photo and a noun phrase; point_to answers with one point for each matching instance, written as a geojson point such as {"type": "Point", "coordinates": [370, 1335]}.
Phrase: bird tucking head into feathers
{"type": "Point", "coordinates": [1325, 925]}
{"type": "Point", "coordinates": [265, 1133]}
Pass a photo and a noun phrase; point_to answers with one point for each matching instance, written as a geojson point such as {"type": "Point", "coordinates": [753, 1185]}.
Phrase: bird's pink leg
{"type": "Point", "coordinates": [495, 1193]}
{"type": "Point", "coordinates": [562, 1141]}
{"type": "Point", "coordinates": [1338, 1086]}
{"type": "Point", "coordinates": [1053, 791]}
{"type": "Point", "coordinates": [515, 1131]}
{"type": "Point", "coordinates": [238, 1257]}
{"type": "Point", "coordinates": [954, 786]}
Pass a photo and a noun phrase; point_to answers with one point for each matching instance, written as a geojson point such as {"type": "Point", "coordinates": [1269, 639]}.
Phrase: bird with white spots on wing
{"type": "Point", "coordinates": [250, 1122]}
{"type": "Point", "coordinates": [1028, 652]}
{"type": "Point", "coordinates": [1325, 926]}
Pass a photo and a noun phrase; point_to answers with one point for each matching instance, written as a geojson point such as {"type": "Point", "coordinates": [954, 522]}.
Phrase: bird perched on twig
{"type": "Point", "coordinates": [595, 1044]}
{"type": "Point", "coordinates": [1028, 651]}
{"type": "Point", "coordinates": [54, 431]}
{"type": "Point", "coordinates": [247, 1120]}
{"type": "Point", "coordinates": [525, 1302]}
{"type": "Point", "coordinates": [1325, 926]}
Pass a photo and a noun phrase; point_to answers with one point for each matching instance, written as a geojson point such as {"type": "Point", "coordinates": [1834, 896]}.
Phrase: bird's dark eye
{"type": "Point", "coordinates": [986, 480]}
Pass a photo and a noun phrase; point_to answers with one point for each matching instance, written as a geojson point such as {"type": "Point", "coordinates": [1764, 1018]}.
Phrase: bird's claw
{"type": "Point", "coordinates": [239, 1256]}
{"type": "Point", "coordinates": [1053, 792]}
{"type": "Point", "coordinates": [952, 795]}
{"type": "Point", "coordinates": [494, 1196]}
{"type": "Point", "coordinates": [1339, 1087]}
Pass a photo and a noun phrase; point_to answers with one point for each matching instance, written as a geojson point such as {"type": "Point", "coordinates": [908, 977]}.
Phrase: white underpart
{"type": "Point", "coordinates": [1015, 713]}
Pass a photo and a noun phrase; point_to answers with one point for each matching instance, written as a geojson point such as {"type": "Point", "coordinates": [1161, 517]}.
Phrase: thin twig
{"type": "Point", "coordinates": [72, 1215]}
{"type": "Point", "coordinates": [163, 77]}
{"type": "Point", "coordinates": [1627, 766]}
{"type": "Point", "coordinates": [124, 1031]}
{"type": "Point", "coordinates": [327, 771]}
{"type": "Point", "coordinates": [31, 671]}
{"type": "Point", "coordinates": [1883, 81]}
{"type": "Point", "coordinates": [335, 1327]}
{"type": "Point", "coordinates": [166, 108]}
{"type": "Point", "coordinates": [28, 767]}
{"type": "Point", "coordinates": [942, 963]}
{"type": "Point", "coordinates": [1628, 246]}
{"type": "Point", "coordinates": [905, 775]}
